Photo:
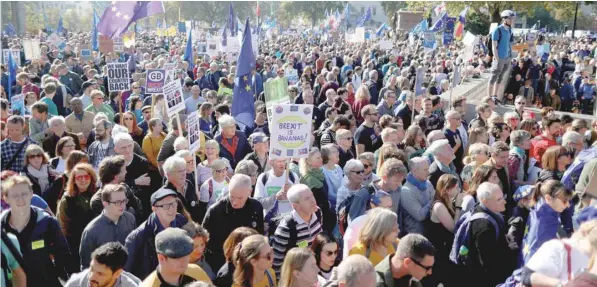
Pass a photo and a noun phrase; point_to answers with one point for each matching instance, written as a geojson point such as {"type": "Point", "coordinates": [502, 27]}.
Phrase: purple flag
{"type": "Point", "coordinates": [119, 15]}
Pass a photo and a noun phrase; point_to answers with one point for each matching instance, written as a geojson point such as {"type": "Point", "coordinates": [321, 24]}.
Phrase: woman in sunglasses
{"type": "Point", "coordinates": [129, 121]}
{"type": "Point", "coordinates": [326, 250]}
{"type": "Point", "coordinates": [555, 161]}
{"type": "Point", "coordinates": [74, 208]}
{"type": "Point", "coordinates": [215, 187]}
{"type": "Point", "coordinates": [253, 259]}
{"type": "Point", "coordinates": [37, 169]}
{"type": "Point", "coordinates": [501, 132]}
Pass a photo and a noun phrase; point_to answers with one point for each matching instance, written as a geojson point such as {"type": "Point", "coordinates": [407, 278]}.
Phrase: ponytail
{"type": "Point", "coordinates": [537, 192]}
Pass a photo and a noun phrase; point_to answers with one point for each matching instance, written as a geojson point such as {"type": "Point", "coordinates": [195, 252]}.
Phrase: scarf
{"type": "Point", "coordinates": [314, 178]}
{"type": "Point", "coordinates": [519, 152]}
{"type": "Point", "coordinates": [228, 147]}
{"type": "Point", "coordinates": [421, 185]}
{"type": "Point", "coordinates": [41, 175]}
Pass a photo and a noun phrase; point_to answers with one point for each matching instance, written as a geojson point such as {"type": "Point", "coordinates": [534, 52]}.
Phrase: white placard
{"type": "Point", "coordinates": [232, 49]}
{"type": "Point", "coordinates": [174, 99]}
{"type": "Point", "coordinates": [469, 41]}
{"type": "Point", "coordinates": [193, 131]}
{"type": "Point", "coordinates": [118, 45]}
{"type": "Point", "coordinates": [32, 50]}
{"type": "Point", "coordinates": [213, 46]}
{"type": "Point", "coordinates": [291, 131]}
{"type": "Point", "coordinates": [386, 45]}
{"type": "Point", "coordinates": [118, 77]}
{"type": "Point", "coordinates": [359, 35]}
{"type": "Point", "coordinates": [16, 55]}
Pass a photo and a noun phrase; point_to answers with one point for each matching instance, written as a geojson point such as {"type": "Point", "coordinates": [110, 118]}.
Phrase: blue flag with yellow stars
{"type": "Point", "coordinates": [542, 226]}
{"type": "Point", "coordinates": [243, 106]}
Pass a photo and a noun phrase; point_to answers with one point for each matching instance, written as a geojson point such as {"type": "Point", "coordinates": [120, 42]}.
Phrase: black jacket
{"type": "Point", "coordinates": [254, 158]}
{"type": "Point", "coordinates": [491, 258]}
{"type": "Point", "coordinates": [36, 188]}
{"type": "Point", "coordinates": [221, 219]}
{"type": "Point", "coordinates": [55, 192]}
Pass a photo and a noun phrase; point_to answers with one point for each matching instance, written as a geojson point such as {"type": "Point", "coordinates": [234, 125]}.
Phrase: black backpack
{"type": "Point", "coordinates": [489, 43]}
{"type": "Point", "coordinates": [4, 261]}
{"type": "Point", "coordinates": [344, 210]}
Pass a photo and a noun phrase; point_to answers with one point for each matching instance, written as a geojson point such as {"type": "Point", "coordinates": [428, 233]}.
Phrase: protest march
{"type": "Point", "coordinates": [319, 144]}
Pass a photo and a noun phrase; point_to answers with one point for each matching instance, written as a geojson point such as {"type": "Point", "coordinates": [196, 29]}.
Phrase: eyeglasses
{"type": "Point", "coordinates": [358, 171]}
{"type": "Point", "coordinates": [367, 165]}
{"type": "Point", "coordinates": [330, 253]}
{"type": "Point", "coordinates": [167, 206]}
{"type": "Point", "coordinates": [83, 177]}
{"type": "Point", "coordinates": [35, 155]}
{"type": "Point", "coordinates": [427, 268]}
{"type": "Point", "coordinates": [120, 202]}
{"type": "Point", "coordinates": [222, 170]}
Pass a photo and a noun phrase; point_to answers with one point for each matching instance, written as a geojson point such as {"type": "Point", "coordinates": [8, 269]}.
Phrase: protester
{"type": "Point", "coordinates": [37, 168]}
{"type": "Point", "coordinates": [378, 236]}
{"type": "Point", "coordinates": [224, 276]}
{"type": "Point", "coordinates": [299, 269]}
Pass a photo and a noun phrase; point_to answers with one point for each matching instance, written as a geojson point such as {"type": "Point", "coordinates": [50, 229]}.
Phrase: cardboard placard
{"type": "Point", "coordinates": [291, 131]}
{"type": "Point", "coordinates": [32, 49]}
{"type": "Point", "coordinates": [173, 96]}
{"type": "Point", "coordinates": [17, 104]}
{"type": "Point", "coordinates": [16, 55]}
{"type": "Point", "coordinates": [386, 45]}
{"type": "Point", "coordinates": [118, 45]}
{"type": "Point", "coordinates": [154, 83]}
{"type": "Point", "coordinates": [193, 131]}
{"type": "Point", "coordinates": [118, 77]}
{"type": "Point", "coordinates": [213, 46]}
{"type": "Point", "coordinates": [106, 45]}
{"type": "Point", "coordinates": [85, 52]}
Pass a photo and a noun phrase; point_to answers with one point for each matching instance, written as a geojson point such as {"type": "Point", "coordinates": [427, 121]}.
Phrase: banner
{"type": "Point", "coordinates": [32, 50]}
{"type": "Point", "coordinates": [292, 76]}
{"type": "Point", "coordinates": [106, 45]}
{"type": "Point", "coordinates": [16, 55]}
{"type": "Point", "coordinates": [212, 46]}
{"type": "Point", "coordinates": [449, 31]}
{"type": "Point", "coordinates": [128, 39]}
{"type": "Point", "coordinates": [386, 45]}
{"type": "Point", "coordinates": [193, 131]}
{"type": "Point", "coordinates": [171, 31]}
{"type": "Point", "coordinates": [408, 20]}
{"type": "Point", "coordinates": [118, 77]}
{"type": "Point", "coordinates": [182, 27]}
{"type": "Point", "coordinates": [429, 41]}
{"type": "Point", "coordinates": [202, 48]}
{"type": "Point", "coordinates": [155, 80]}
{"type": "Point", "coordinates": [173, 96]}
{"type": "Point", "coordinates": [118, 45]}
{"type": "Point", "coordinates": [85, 52]}
{"type": "Point", "coordinates": [291, 131]}
{"type": "Point", "coordinates": [17, 104]}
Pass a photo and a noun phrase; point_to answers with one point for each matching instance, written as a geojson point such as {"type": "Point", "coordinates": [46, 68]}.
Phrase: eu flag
{"type": "Point", "coordinates": [60, 27]}
{"type": "Point", "coordinates": [94, 35]}
{"type": "Point", "coordinates": [120, 14]}
{"type": "Point", "coordinates": [243, 106]}
{"type": "Point", "coordinates": [188, 52]}
{"type": "Point", "coordinates": [12, 74]}
{"type": "Point", "coordinates": [10, 30]}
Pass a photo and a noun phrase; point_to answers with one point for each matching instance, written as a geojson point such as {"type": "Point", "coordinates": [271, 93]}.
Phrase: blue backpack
{"type": "Point", "coordinates": [460, 247]}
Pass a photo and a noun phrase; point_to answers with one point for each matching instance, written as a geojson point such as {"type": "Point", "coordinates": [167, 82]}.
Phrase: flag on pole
{"type": "Point", "coordinates": [382, 28]}
{"type": "Point", "coordinates": [243, 105]}
{"type": "Point", "coordinates": [94, 35]}
{"type": "Point", "coordinates": [120, 15]}
{"type": "Point", "coordinates": [60, 27]}
{"type": "Point", "coordinates": [12, 74]}
{"type": "Point", "coordinates": [366, 17]}
{"type": "Point", "coordinates": [257, 11]}
{"type": "Point", "coordinates": [232, 21]}
{"type": "Point", "coordinates": [224, 37]}
{"type": "Point", "coordinates": [347, 14]}
{"type": "Point", "coordinates": [10, 30]}
{"type": "Point", "coordinates": [213, 24]}
{"type": "Point", "coordinates": [440, 8]}
{"type": "Point", "coordinates": [459, 29]}
{"type": "Point", "coordinates": [188, 52]}
{"type": "Point", "coordinates": [534, 28]}
{"type": "Point", "coordinates": [420, 28]}
{"type": "Point", "coordinates": [441, 22]}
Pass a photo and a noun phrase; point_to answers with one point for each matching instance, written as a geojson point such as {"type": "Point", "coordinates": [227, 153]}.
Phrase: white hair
{"type": "Point", "coordinates": [240, 181]}
{"type": "Point", "coordinates": [571, 137]}
{"type": "Point", "coordinates": [55, 120]}
{"type": "Point", "coordinates": [180, 143]}
{"type": "Point", "coordinates": [511, 115]}
{"type": "Point", "coordinates": [352, 163]}
{"type": "Point", "coordinates": [386, 133]}
{"type": "Point", "coordinates": [295, 192]}
{"type": "Point", "coordinates": [118, 129]}
{"type": "Point", "coordinates": [485, 190]}
{"type": "Point", "coordinates": [226, 121]}
{"type": "Point", "coordinates": [431, 137]}
{"type": "Point", "coordinates": [436, 147]}
{"type": "Point", "coordinates": [99, 116]}
{"type": "Point", "coordinates": [122, 137]}
{"type": "Point", "coordinates": [183, 153]}
{"type": "Point", "coordinates": [451, 114]}
{"type": "Point", "coordinates": [173, 163]}
{"type": "Point", "coordinates": [417, 163]}
{"type": "Point", "coordinates": [354, 267]}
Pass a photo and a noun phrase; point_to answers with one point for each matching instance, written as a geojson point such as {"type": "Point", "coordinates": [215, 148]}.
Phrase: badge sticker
{"type": "Point", "coordinates": [303, 244]}
{"type": "Point", "coordinates": [254, 224]}
{"type": "Point", "coordinates": [37, 244]}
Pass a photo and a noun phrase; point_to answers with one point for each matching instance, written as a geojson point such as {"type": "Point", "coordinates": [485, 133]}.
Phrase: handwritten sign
{"type": "Point", "coordinates": [16, 55]}
{"type": "Point", "coordinates": [291, 131]}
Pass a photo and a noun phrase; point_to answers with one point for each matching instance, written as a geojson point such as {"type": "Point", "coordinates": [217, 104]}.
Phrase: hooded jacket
{"type": "Point", "coordinates": [82, 280]}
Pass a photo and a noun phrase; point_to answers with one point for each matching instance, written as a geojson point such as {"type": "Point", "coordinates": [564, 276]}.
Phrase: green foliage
{"type": "Point", "coordinates": [313, 11]}
{"type": "Point", "coordinates": [390, 7]}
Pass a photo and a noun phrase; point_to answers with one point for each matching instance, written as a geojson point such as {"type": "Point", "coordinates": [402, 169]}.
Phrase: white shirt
{"type": "Point", "coordinates": [266, 194]}
{"type": "Point", "coordinates": [61, 166]}
{"type": "Point", "coordinates": [351, 236]}
{"type": "Point", "coordinates": [219, 190]}
{"type": "Point", "coordinates": [551, 260]}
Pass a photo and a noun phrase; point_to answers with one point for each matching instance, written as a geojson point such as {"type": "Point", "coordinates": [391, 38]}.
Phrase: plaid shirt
{"type": "Point", "coordinates": [8, 149]}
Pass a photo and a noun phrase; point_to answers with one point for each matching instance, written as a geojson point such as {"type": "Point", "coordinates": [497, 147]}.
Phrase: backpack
{"type": "Point", "coordinates": [210, 184]}
{"type": "Point", "coordinates": [489, 44]}
{"type": "Point", "coordinates": [344, 210]}
{"type": "Point", "coordinates": [460, 247]}
{"type": "Point", "coordinates": [292, 231]}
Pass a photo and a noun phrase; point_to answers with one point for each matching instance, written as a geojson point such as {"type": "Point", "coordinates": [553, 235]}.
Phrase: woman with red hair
{"type": "Point", "coordinates": [129, 121]}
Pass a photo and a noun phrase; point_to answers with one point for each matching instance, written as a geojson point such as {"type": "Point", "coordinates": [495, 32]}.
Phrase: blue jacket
{"type": "Point", "coordinates": [567, 92]}
{"type": "Point", "coordinates": [41, 237]}
{"type": "Point", "coordinates": [204, 83]}
{"type": "Point", "coordinates": [242, 149]}
{"type": "Point", "coordinates": [587, 91]}
{"type": "Point", "coordinates": [140, 244]}
{"type": "Point", "coordinates": [542, 226]}
{"type": "Point", "coordinates": [257, 84]}
{"type": "Point", "coordinates": [214, 79]}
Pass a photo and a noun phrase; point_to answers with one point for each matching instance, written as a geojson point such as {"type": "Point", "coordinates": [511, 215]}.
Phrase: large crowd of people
{"type": "Point", "coordinates": [99, 188]}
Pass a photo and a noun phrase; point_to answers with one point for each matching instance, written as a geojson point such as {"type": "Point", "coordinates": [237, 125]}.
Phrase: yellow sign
{"type": "Point", "coordinates": [128, 39]}
{"type": "Point", "coordinates": [167, 32]}
{"type": "Point", "coordinates": [520, 47]}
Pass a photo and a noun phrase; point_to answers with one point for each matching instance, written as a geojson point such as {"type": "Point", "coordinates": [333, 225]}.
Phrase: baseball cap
{"type": "Point", "coordinates": [523, 192]}
{"type": "Point", "coordinates": [173, 243]}
{"type": "Point", "coordinates": [259, 138]}
{"type": "Point", "coordinates": [161, 194]}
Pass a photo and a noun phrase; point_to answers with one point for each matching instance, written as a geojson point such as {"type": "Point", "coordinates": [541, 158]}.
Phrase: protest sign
{"type": "Point", "coordinates": [429, 41]}
{"type": "Point", "coordinates": [32, 50]}
{"type": "Point", "coordinates": [212, 46]}
{"type": "Point", "coordinates": [56, 41]}
{"type": "Point", "coordinates": [170, 72]}
{"type": "Point", "coordinates": [291, 131]}
{"type": "Point", "coordinates": [531, 37]}
{"type": "Point", "coordinates": [118, 45]}
{"type": "Point", "coordinates": [85, 52]}
{"type": "Point", "coordinates": [106, 45]}
{"type": "Point", "coordinates": [16, 55]}
{"type": "Point", "coordinates": [292, 76]}
{"type": "Point", "coordinates": [386, 45]}
{"type": "Point", "coordinates": [118, 77]}
{"type": "Point", "coordinates": [173, 94]}
{"type": "Point", "coordinates": [276, 92]}
{"type": "Point", "coordinates": [128, 39]}
{"type": "Point", "coordinates": [193, 131]}
{"type": "Point", "coordinates": [17, 104]}
{"type": "Point", "coordinates": [232, 49]}
{"type": "Point", "coordinates": [202, 47]}
{"type": "Point", "coordinates": [469, 41]}
{"type": "Point", "coordinates": [449, 31]}
{"type": "Point", "coordinates": [154, 83]}
{"type": "Point", "coordinates": [359, 35]}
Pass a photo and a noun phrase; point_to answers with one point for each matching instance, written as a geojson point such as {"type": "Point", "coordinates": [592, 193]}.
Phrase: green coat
{"type": "Point", "coordinates": [384, 275]}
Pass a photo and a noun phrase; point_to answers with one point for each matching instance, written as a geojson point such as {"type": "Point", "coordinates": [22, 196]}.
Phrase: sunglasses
{"type": "Point", "coordinates": [83, 177]}
{"type": "Point", "coordinates": [367, 165]}
{"type": "Point", "coordinates": [35, 155]}
{"type": "Point", "coordinates": [222, 170]}
{"type": "Point", "coordinates": [427, 268]}
{"type": "Point", "coordinates": [330, 253]}
{"type": "Point", "coordinates": [358, 171]}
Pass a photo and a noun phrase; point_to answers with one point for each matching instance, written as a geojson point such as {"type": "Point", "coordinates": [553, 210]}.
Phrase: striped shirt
{"type": "Point", "coordinates": [306, 234]}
